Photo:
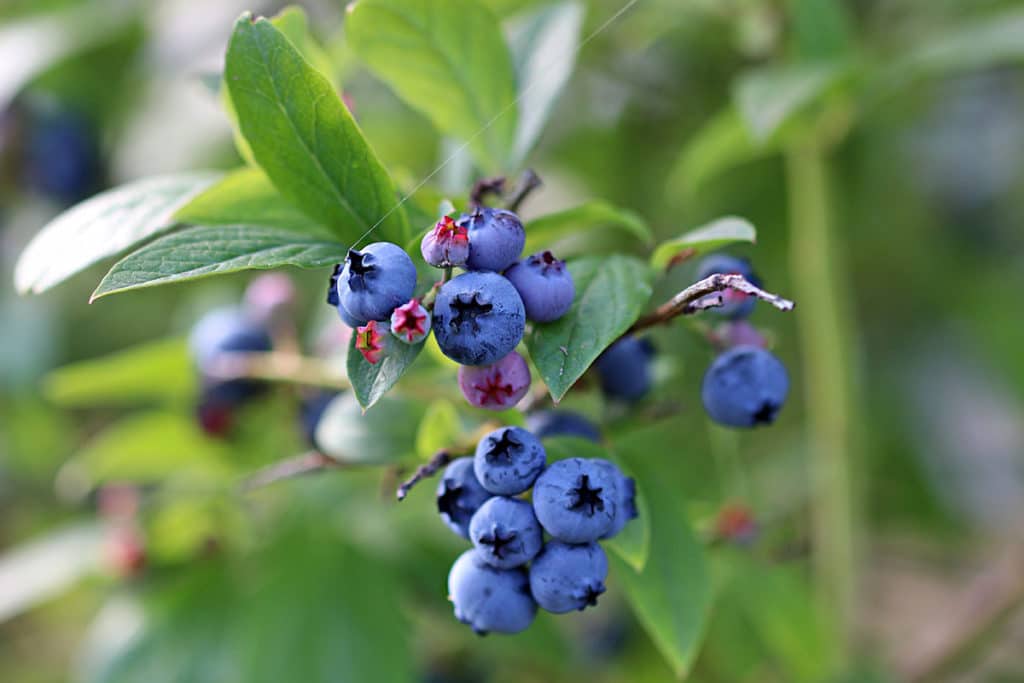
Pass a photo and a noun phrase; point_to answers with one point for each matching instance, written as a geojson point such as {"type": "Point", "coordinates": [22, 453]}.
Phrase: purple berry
{"type": "Point", "coordinates": [496, 387]}
{"type": "Point", "coordinates": [496, 238]}
{"type": "Point", "coordinates": [410, 322]}
{"type": "Point", "coordinates": [446, 244]}
{"type": "Point", "coordinates": [545, 285]}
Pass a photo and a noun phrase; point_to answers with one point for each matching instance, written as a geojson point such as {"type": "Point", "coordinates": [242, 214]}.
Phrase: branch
{"type": "Point", "coordinates": [693, 299]}
{"type": "Point", "coordinates": [277, 366]}
{"type": "Point", "coordinates": [484, 187]}
{"type": "Point", "coordinates": [528, 182]}
{"type": "Point", "coordinates": [428, 469]}
{"type": "Point", "coordinates": [289, 468]}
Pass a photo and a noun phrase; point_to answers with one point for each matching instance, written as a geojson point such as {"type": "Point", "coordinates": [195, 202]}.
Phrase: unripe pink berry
{"type": "Point", "coordinates": [498, 386]}
{"type": "Point", "coordinates": [410, 322]}
{"type": "Point", "coordinates": [446, 244]}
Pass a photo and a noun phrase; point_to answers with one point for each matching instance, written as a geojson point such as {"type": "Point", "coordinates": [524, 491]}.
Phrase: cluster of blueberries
{"type": "Point", "coordinates": [746, 385]}
{"type": "Point", "coordinates": [478, 317]}
{"type": "Point", "coordinates": [577, 502]}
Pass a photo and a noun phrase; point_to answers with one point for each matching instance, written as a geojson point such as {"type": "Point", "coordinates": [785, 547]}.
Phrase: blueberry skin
{"type": "Point", "coordinates": [576, 500]}
{"type": "Point", "coordinates": [496, 238]}
{"type": "Point", "coordinates": [567, 577]}
{"type": "Point", "coordinates": [374, 282]}
{"type": "Point", "coordinates": [737, 304]}
{"type": "Point", "coordinates": [508, 460]}
{"type": "Point", "coordinates": [460, 495]}
{"type": "Point", "coordinates": [490, 599]}
{"type": "Point", "coordinates": [625, 369]}
{"type": "Point", "coordinates": [745, 387]}
{"type": "Point", "coordinates": [625, 504]}
{"type": "Point", "coordinates": [224, 330]}
{"type": "Point", "coordinates": [63, 157]}
{"type": "Point", "coordinates": [545, 286]}
{"type": "Point", "coordinates": [478, 318]}
{"type": "Point", "coordinates": [562, 423]}
{"type": "Point", "coordinates": [505, 532]}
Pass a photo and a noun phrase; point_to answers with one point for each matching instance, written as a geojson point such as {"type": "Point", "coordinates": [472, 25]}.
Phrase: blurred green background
{"type": "Point", "coordinates": [887, 499]}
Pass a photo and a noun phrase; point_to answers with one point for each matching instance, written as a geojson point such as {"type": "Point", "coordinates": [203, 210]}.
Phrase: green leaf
{"type": "Point", "coordinates": [247, 197]}
{"type": "Point", "coordinates": [449, 61]}
{"type": "Point", "coordinates": [156, 371]}
{"type": "Point", "coordinates": [440, 428]}
{"type": "Point", "coordinates": [709, 237]}
{"type": "Point", "coordinates": [544, 231]}
{"type": "Point", "coordinates": [371, 381]}
{"type": "Point", "coordinates": [381, 436]}
{"type": "Point", "coordinates": [610, 294]}
{"type": "Point", "coordinates": [544, 46]}
{"type": "Point", "coordinates": [149, 448]}
{"type": "Point", "coordinates": [821, 28]}
{"type": "Point", "coordinates": [769, 96]}
{"type": "Point", "coordinates": [204, 251]}
{"type": "Point", "coordinates": [293, 22]}
{"type": "Point", "coordinates": [722, 143]}
{"type": "Point", "coordinates": [304, 138]}
{"type": "Point", "coordinates": [632, 544]}
{"type": "Point", "coordinates": [672, 594]}
{"type": "Point", "coordinates": [104, 226]}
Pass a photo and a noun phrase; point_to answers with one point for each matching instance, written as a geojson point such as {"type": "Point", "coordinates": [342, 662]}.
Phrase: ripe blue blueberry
{"type": "Point", "coordinates": [225, 330]}
{"type": "Point", "coordinates": [460, 495]}
{"type": "Point", "coordinates": [745, 387]}
{"type": "Point", "coordinates": [496, 238]}
{"type": "Point", "coordinates": [374, 282]}
{"type": "Point", "coordinates": [562, 423]}
{"type": "Point", "coordinates": [508, 460]}
{"type": "Point", "coordinates": [490, 599]}
{"type": "Point", "coordinates": [63, 156]}
{"type": "Point", "coordinates": [625, 369]}
{"type": "Point", "coordinates": [478, 318]}
{"type": "Point", "coordinates": [544, 284]}
{"type": "Point", "coordinates": [625, 503]}
{"type": "Point", "coordinates": [567, 577]}
{"type": "Point", "coordinates": [506, 532]}
{"type": "Point", "coordinates": [736, 304]}
{"type": "Point", "coordinates": [576, 500]}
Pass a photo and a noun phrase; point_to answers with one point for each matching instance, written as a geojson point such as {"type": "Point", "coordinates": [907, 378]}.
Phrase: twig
{"type": "Point", "coordinates": [277, 366]}
{"type": "Point", "coordinates": [428, 469]}
{"type": "Point", "coordinates": [528, 182]}
{"type": "Point", "coordinates": [307, 463]}
{"type": "Point", "coordinates": [484, 187]}
{"type": "Point", "coordinates": [693, 299]}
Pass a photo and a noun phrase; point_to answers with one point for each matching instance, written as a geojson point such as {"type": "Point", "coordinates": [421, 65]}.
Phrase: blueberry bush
{"type": "Point", "coordinates": [644, 454]}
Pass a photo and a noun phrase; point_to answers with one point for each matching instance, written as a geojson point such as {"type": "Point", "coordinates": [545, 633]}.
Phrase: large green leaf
{"type": "Point", "coordinates": [370, 381]}
{"type": "Point", "coordinates": [204, 251]}
{"type": "Point", "coordinates": [820, 28]}
{"type": "Point", "coordinates": [304, 138]}
{"type": "Point", "coordinates": [768, 97]}
{"type": "Point", "coordinates": [247, 197]}
{"type": "Point", "coordinates": [672, 594]}
{"type": "Point", "coordinates": [544, 231]}
{"type": "Point", "coordinates": [104, 226]}
{"type": "Point", "coordinates": [383, 435]}
{"type": "Point", "coordinates": [610, 294]}
{"type": "Point", "coordinates": [156, 371]}
{"type": "Point", "coordinates": [714, 235]}
{"type": "Point", "coordinates": [544, 45]}
{"type": "Point", "coordinates": [446, 59]}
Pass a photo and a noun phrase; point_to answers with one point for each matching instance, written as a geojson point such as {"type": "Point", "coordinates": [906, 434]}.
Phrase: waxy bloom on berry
{"type": "Point", "coordinates": [446, 244]}
{"type": "Point", "coordinates": [370, 342]}
{"type": "Point", "coordinates": [410, 322]}
{"type": "Point", "coordinates": [496, 387]}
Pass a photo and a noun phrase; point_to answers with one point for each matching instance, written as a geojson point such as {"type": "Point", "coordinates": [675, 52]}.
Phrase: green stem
{"type": "Point", "coordinates": [825, 334]}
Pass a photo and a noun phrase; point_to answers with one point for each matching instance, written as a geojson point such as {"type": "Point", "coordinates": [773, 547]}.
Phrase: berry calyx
{"type": "Point", "coordinates": [410, 322]}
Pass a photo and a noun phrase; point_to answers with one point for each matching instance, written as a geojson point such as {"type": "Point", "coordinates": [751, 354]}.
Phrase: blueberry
{"type": "Point", "coordinates": [490, 599]}
{"type": "Point", "coordinates": [736, 304]}
{"type": "Point", "coordinates": [625, 503]}
{"type": "Point", "coordinates": [496, 238]}
{"type": "Point", "coordinates": [446, 244]}
{"type": "Point", "coordinates": [576, 500]}
{"type": "Point", "coordinates": [745, 387]}
{"type": "Point", "coordinates": [495, 387]}
{"type": "Point", "coordinates": [508, 460]}
{"type": "Point", "coordinates": [225, 330]}
{"type": "Point", "coordinates": [506, 532]}
{"type": "Point", "coordinates": [310, 412]}
{"type": "Point", "coordinates": [566, 577]}
{"type": "Point", "coordinates": [625, 369]}
{"type": "Point", "coordinates": [410, 322]}
{"type": "Point", "coordinates": [562, 423]}
{"type": "Point", "coordinates": [374, 282]}
{"type": "Point", "coordinates": [63, 157]}
{"type": "Point", "coordinates": [460, 495]}
{"type": "Point", "coordinates": [478, 318]}
{"type": "Point", "coordinates": [545, 285]}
